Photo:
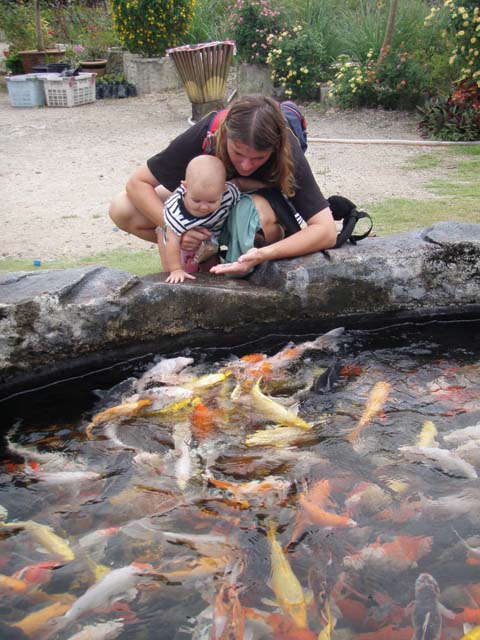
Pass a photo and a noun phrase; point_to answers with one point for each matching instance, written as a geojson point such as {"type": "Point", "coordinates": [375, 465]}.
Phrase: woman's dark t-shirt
{"type": "Point", "coordinates": [168, 167]}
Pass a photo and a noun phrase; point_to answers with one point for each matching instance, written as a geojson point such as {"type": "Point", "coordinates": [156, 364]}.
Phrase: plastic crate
{"type": "Point", "coordinates": [70, 91]}
{"type": "Point", "coordinates": [25, 90]}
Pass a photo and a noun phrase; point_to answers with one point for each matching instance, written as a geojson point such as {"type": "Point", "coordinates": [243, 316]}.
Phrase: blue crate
{"type": "Point", "coordinates": [25, 90]}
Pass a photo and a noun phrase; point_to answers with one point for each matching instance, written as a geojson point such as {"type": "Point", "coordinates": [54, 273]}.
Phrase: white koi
{"type": "Point", "coordinates": [443, 459]}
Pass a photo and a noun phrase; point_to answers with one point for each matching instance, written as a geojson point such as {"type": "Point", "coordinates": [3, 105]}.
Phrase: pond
{"type": "Point", "coordinates": [297, 486]}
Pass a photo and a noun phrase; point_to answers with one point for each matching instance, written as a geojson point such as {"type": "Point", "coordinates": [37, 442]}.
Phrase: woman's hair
{"type": "Point", "coordinates": [258, 122]}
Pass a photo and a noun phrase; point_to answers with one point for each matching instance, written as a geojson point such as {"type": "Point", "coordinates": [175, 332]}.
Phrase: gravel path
{"type": "Point", "coordinates": [60, 167]}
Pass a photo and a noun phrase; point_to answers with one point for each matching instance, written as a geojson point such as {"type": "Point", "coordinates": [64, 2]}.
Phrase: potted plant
{"type": "Point", "coordinates": [43, 53]}
{"type": "Point", "coordinates": [96, 37]}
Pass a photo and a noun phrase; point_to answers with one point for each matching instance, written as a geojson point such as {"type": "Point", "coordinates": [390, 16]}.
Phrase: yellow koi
{"type": "Point", "coordinates": [206, 381]}
{"type": "Point", "coordinates": [376, 400]}
{"type": "Point", "coordinates": [273, 410]}
{"type": "Point", "coordinates": [471, 634]}
{"type": "Point", "coordinates": [47, 538]}
{"type": "Point", "coordinates": [277, 437]}
{"type": "Point", "coordinates": [34, 621]}
{"type": "Point", "coordinates": [285, 585]}
{"type": "Point", "coordinates": [426, 437]}
{"type": "Point", "coordinates": [326, 632]}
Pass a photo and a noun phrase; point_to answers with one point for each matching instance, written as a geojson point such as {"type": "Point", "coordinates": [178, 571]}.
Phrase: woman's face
{"type": "Point", "coordinates": [245, 159]}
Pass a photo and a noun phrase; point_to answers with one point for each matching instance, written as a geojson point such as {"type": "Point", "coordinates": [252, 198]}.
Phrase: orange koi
{"type": "Point", "coordinates": [203, 420]}
{"type": "Point", "coordinates": [398, 555]}
{"type": "Point", "coordinates": [254, 487]}
{"type": "Point", "coordinates": [228, 616]}
{"type": "Point", "coordinates": [375, 403]}
{"type": "Point", "coordinates": [350, 370]}
{"type": "Point", "coordinates": [124, 410]}
{"type": "Point", "coordinates": [34, 621]}
{"type": "Point", "coordinates": [283, 628]}
{"type": "Point", "coordinates": [10, 583]}
{"type": "Point", "coordinates": [467, 615]}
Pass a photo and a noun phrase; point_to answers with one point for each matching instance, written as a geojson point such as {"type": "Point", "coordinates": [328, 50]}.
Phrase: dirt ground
{"type": "Point", "coordinates": [59, 167]}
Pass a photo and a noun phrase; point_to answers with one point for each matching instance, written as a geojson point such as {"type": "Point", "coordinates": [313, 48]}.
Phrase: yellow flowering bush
{"type": "Point", "coordinates": [148, 27]}
{"type": "Point", "coordinates": [465, 22]}
{"type": "Point", "coordinates": [396, 83]}
{"type": "Point", "coordinates": [297, 61]}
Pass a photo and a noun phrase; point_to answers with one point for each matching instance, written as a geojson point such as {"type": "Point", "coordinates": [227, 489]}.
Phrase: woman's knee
{"type": "Point", "coordinates": [121, 211]}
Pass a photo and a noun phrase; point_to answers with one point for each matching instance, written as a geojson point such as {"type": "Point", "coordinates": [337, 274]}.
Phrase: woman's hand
{"type": "Point", "coordinates": [193, 238]}
{"type": "Point", "coordinates": [242, 266]}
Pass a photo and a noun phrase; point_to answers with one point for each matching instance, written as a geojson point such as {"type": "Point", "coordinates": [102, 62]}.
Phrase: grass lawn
{"type": "Point", "coordinates": [456, 198]}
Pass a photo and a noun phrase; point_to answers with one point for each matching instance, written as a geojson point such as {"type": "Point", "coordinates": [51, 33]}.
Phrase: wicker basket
{"type": "Point", "coordinates": [203, 69]}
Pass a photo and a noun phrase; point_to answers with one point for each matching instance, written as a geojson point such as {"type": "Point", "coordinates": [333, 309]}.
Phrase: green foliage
{"type": "Point", "coordinates": [13, 63]}
{"type": "Point", "coordinates": [209, 22]}
{"type": "Point", "coordinates": [454, 117]}
{"type": "Point", "coordinates": [251, 23]}
{"type": "Point", "coordinates": [465, 25]}
{"type": "Point", "coordinates": [149, 27]}
{"type": "Point", "coordinates": [396, 83]}
{"type": "Point", "coordinates": [297, 61]}
{"type": "Point", "coordinates": [17, 20]}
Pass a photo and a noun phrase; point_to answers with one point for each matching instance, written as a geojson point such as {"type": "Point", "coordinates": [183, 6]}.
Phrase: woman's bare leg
{"type": "Point", "coordinates": [129, 219]}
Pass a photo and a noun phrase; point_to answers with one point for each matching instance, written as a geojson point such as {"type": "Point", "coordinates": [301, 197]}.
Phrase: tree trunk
{"type": "Point", "coordinates": [387, 40]}
{"type": "Point", "coordinates": [38, 27]}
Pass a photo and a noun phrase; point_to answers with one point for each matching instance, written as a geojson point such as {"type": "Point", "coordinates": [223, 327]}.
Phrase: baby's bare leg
{"type": "Point", "coordinates": [272, 230]}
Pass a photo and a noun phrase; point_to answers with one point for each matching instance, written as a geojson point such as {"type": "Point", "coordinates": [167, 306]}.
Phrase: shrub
{"type": "Point", "coordinates": [465, 22]}
{"type": "Point", "coordinates": [297, 62]}
{"type": "Point", "coordinates": [148, 27]}
{"type": "Point", "coordinates": [209, 22]}
{"type": "Point", "coordinates": [251, 23]}
{"type": "Point", "coordinates": [456, 117]}
{"type": "Point", "coordinates": [396, 83]}
{"type": "Point", "coordinates": [18, 23]}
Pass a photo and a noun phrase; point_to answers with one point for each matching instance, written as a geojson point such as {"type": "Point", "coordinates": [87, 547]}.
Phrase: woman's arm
{"type": "Point", "coordinates": [141, 191]}
{"type": "Point", "coordinates": [320, 233]}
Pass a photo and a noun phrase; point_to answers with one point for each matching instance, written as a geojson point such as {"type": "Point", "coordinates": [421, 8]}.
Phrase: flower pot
{"type": "Point", "coordinates": [29, 59]}
{"type": "Point", "coordinates": [94, 66]}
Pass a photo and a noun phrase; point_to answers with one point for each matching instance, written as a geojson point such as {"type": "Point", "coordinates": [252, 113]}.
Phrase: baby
{"type": "Point", "coordinates": [204, 199]}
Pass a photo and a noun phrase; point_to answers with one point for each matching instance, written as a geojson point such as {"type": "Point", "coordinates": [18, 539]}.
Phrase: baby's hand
{"type": "Point", "coordinates": [179, 275]}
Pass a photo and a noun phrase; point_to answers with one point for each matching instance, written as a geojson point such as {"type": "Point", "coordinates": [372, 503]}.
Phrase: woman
{"type": "Point", "coordinates": [253, 141]}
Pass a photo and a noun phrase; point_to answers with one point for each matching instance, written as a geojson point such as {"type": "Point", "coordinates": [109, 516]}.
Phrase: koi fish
{"type": "Point", "coordinates": [50, 460]}
{"type": "Point", "coordinates": [100, 631]}
{"type": "Point", "coordinates": [63, 477]}
{"type": "Point", "coordinates": [38, 573]}
{"type": "Point", "coordinates": [259, 364]}
{"type": "Point", "coordinates": [206, 544]}
{"type": "Point", "coordinates": [124, 410]}
{"type": "Point", "coordinates": [375, 403]}
{"type": "Point", "coordinates": [228, 615]}
{"type": "Point", "coordinates": [284, 583]}
{"type": "Point", "coordinates": [207, 381]}
{"type": "Point", "coordinates": [278, 437]}
{"type": "Point", "coordinates": [254, 487]}
{"type": "Point", "coordinates": [464, 503]}
{"type": "Point", "coordinates": [443, 459]}
{"type": "Point", "coordinates": [198, 569]}
{"type": "Point", "coordinates": [326, 632]}
{"type": "Point", "coordinates": [12, 583]}
{"type": "Point", "coordinates": [366, 498]}
{"type": "Point", "coordinates": [115, 585]}
{"type": "Point", "coordinates": [427, 610]}
{"type": "Point", "coordinates": [398, 555]}
{"type": "Point", "coordinates": [33, 622]}
{"type": "Point", "coordinates": [473, 633]}
{"type": "Point", "coordinates": [312, 507]}
{"type": "Point", "coordinates": [46, 537]}
{"type": "Point", "coordinates": [391, 632]}
{"type": "Point", "coordinates": [426, 437]}
{"type": "Point", "coordinates": [164, 372]}
{"type": "Point", "coordinates": [460, 436]}
{"type": "Point", "coordinates": [273, 411]}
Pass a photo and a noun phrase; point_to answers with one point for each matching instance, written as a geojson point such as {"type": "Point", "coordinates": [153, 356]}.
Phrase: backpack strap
{"type": "Point", "coordinates": [216, 121]}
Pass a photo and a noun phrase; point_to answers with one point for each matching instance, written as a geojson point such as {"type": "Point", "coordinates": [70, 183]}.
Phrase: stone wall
{"type": "Point", "coordinates": [53, 321]}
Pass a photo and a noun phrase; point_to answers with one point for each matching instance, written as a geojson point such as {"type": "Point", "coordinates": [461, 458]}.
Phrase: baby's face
{"type": "Point", "coordinates": [201, 200]}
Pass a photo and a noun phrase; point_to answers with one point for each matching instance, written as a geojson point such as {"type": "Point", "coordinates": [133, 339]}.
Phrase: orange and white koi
{"type": "Point", "coordinates": [165, 372]}
{"type": "Point", "coordinates": [228, 615]}
{"type": "Point", "coordinates": [284, 583]}
{"type": "Point", "coordinates": [124, 410]}
{"type": "Point", "coordinates": [400, 554]}
{"type": "Point", "coordinates": [270, 484]}
{"type": "Point", "coordinates": [375, 403]}
{"type": "Point", "coordinates": [38, 573]}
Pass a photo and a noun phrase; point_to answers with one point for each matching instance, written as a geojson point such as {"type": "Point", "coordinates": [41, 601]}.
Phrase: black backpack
{"type": "Point", "coordinates": [343, 209]}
